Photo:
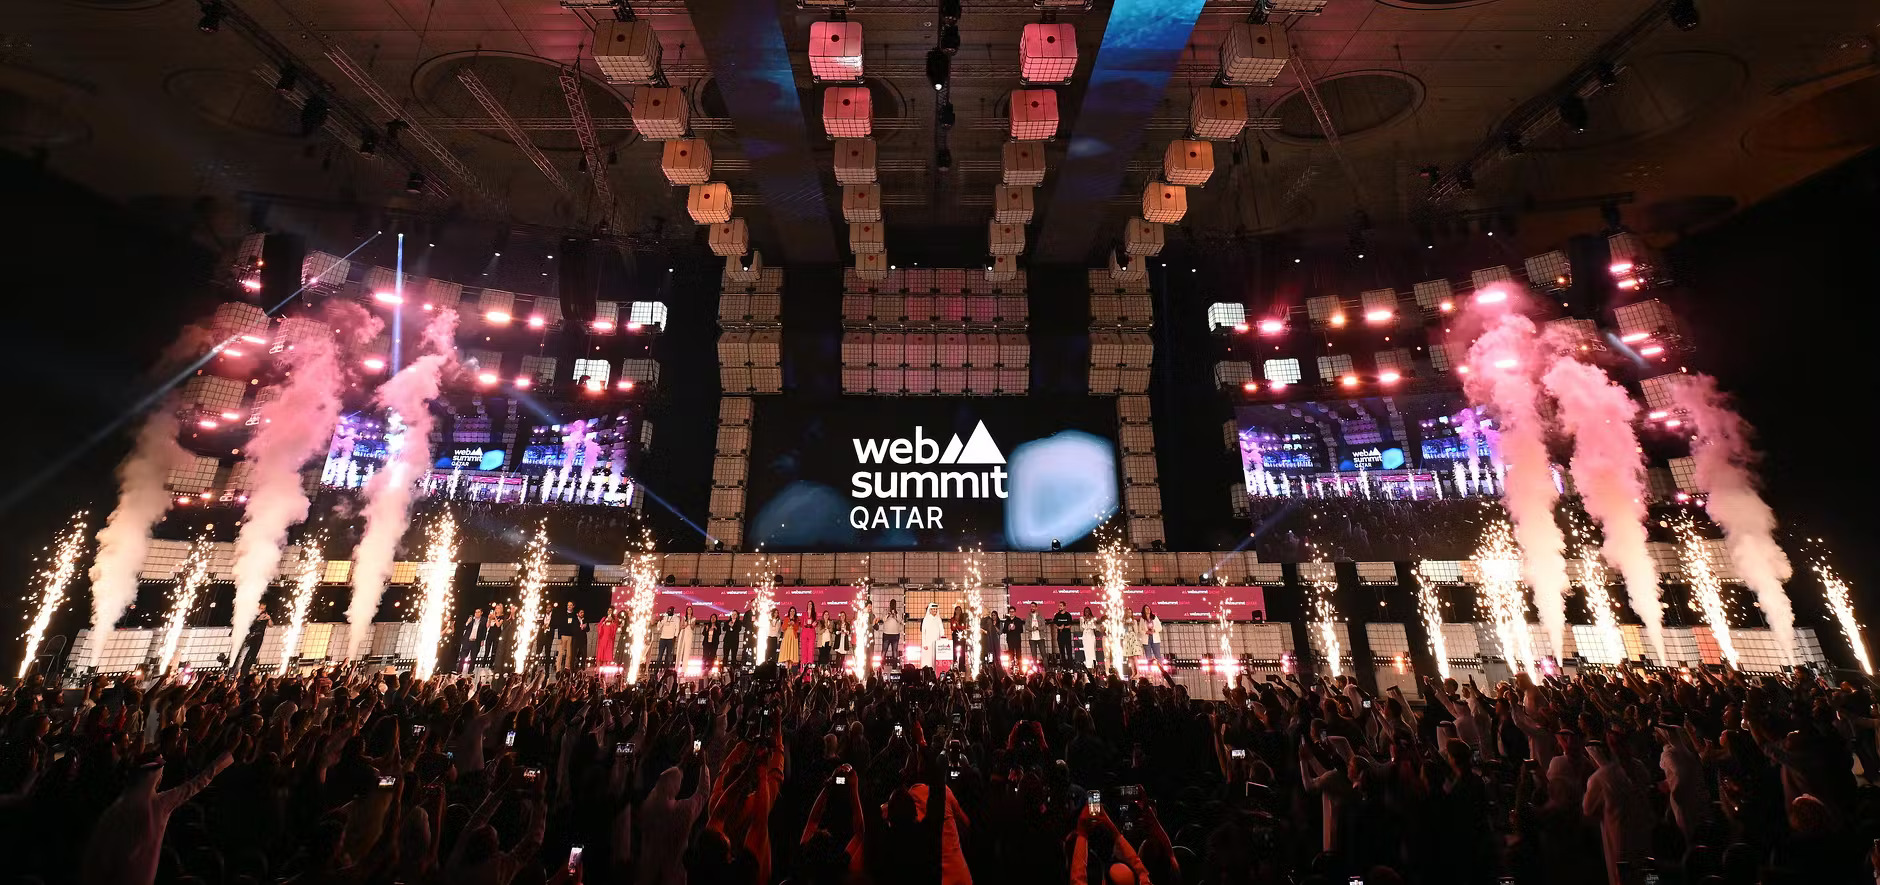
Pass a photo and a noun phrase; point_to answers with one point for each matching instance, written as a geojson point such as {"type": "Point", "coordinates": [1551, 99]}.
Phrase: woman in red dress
{"type": "Point", "coordinates": [604, 638]}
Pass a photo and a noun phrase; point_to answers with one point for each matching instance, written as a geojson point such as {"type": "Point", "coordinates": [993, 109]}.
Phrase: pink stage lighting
{"type": "Point", "coordinates": [1349, 381]}
{"type": "Point", "coordinates": [1507, 363]}
{"type": "Point", "coordinates": [1628, 283]}
{"type": "Point", "coordinates": [1653, 350]}
{"type": "Point", "coordinates": [523, 382]}
{"type": "Point", "coordinates": [1446, 306]}
{"type": "Point", "coordinates": [373, 363]}
{"type": "Point", "coordinates": [486, 378]}
{"type": "Point", "coordinates": [1634, 337]}
{"type": "Point", "coordinates": [603, 325]}
{"type": "Point", "coordinates": [1337, 321]}
{"type": "Point", "coordinates": [594, 387]}
{"type": "Point", "coordinates": [633, 327]}
{"type": "Point", "coordinates": [1390, 377]}
{"type": "Point", "coordinates": [1272, 327]}
{"type": "Point", "coordinates": [1241, 328]}
{"type": "Point", "coordinates": [229, 416]}
{"type": "Point", "coordinates": [1674, 423]}
{"type": "Point", "coordinates": [1379, 316]}
{"type": "Point", "coordinates": [252, 285]}
{"type": "Point", "coordinates": [208, 424]}
{"type": "Point", "coordinates": [1659, 415]}
{"type": "Point", "coordinates": [537, 322]}
{"type": "Point", "coordinates": [254, 339]}
{"type": "Point", "coordinates": [1620, 267]}
{"type": "Point", "coordinates": [430, 307]}
{"type": "Point", "coordinates": [182, 500]}
{"type": "Point", "coordinates": [1275, 386]}
{"type": "Point", "coordinates": [497, 317]}
{"type": "Point", "coordinates": [1491, 295]}
{"type": "Point", "coordinates": [387, 298]}
{"type": "Point", "coordinates": [1250, 387]}
{"type": "Point", "coordinates": [1462, 370]}
{"type": "Point", "coordinates": [625, 384]}
{"type": "Point", "coordinates": [230, 351]}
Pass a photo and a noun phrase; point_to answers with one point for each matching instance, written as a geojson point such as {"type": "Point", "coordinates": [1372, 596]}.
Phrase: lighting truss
{"type": "Point", "coordinates": [500, 115]}
{"type": "Point", "coordinates": [393, 111]}
{"type": "Point", "coordinates": [590, 145]}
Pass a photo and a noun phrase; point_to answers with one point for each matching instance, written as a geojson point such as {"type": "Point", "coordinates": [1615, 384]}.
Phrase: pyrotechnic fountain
{"type": "Point", "coordinates": [1430, 606]}
{"type": "Point", "coordinates": [1706, 589]}
{"type": "Point", "coordinates": [1322, 576]}
{"type": "Point", "coordinates": [1611, 646]}
{"type": "Point", "coordinates": [1840, 601]}
{"type": "Point", "coordinates": [435, 577]}
{"type": "Point", "coordinates": [976, 609]}
{"type": "Point", "coordinates": [306, 581]}
{"type": "Point", "coordinates": [407, 397]}
{"type": "Point", "coordinates": [1498, 564]}
{"type": "Point", "coordinates": [53, 579]}
{"type": "Point", "coordinates": [191, 577]}
{"type": "Point", "coordinates": [1501, 373]}
{"type": "Point", "coordinates": [533, 575]}
{"type": "Point", "coordinates": [1609, 472]}
{"type": "Point", "coordinates": [1112, 580]}
{"type": "Point", "coordinates": [1723, 457]}
{"type": "Point", "coordinates": [643, 576]}
{"type": "Point", "coordinates": [764, 610]}
{"type": "Point", "coordinates": [859, 629]}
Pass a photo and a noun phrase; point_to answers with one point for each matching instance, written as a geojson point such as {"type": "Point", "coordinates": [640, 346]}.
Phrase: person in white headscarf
{"type": "Point", "coordinates": [665, 824]}
{"type": "Point", "coordinates": [932, 627]}
{"type": "Point", "coordinates": [1625, 820]}
{"type": "Point", "coordinates": [1684, 781]}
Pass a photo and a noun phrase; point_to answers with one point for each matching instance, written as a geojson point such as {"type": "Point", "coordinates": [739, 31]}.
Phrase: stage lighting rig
{"type": "Point", "coordinates": [414, 183]}
{"type": "Point", "coordinates": [1683, 14]}
{"type": "Point", "coordinates": [949, 11]}
{"type": "Point", "coordinates": [945, 116]}
{"type": "Point", "coordinates": [368, 144]}
{"type": "Point", "coordinates": [943, 160]}
{"type": "Point", "coordinates": [950, 39]}
{"type": "Point", "coordinates": [287, 80]}
{"type": "Point", "coordinates": [212, 15]}
{"type": "Point", "coordinates": [939, 69]}
{"type": "Point", "coordinates": [1573, 113]}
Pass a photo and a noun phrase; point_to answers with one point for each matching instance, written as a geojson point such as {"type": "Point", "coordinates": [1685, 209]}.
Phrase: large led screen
{"type": "Point", "coordinates": [881, 473]}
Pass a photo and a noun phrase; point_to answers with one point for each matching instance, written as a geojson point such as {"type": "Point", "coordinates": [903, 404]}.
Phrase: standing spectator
{"type": "Point", "coordinates": [668, 637]}
{"type": "Point", "coordinates": [567, 625]}
{"type": "Point", "coordinates": [605, 636]}
{"type": "Point", "coordinates": [890, 628]}
{"type": "Point", "coordinates": [714, 633]}
{"type": "Point", "coordinates": [127, 839]}
{"type": "Point", "coordinates": [251, 643]}
{"type": "Point", "coordinates": [1062, 622]}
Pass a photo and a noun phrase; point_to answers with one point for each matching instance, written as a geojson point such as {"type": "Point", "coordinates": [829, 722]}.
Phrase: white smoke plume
{"type": "Point", "coordinates": [1502, 367]}
{"type": "Point", "coordinates": [407, 397]}
{"type": "Point", "coordinates": [295, 427]}
{"type": "Point", "coordinates": [125, 538]}
{"type": "Point", "coordinates": [1610, 475]}
{"type": "Point", "coordinates": [1723, 458]}
{"type": "Point", "coordinates": [143, 498]}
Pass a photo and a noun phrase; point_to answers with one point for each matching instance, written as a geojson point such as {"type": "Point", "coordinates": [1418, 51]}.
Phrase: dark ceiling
{"type": "Point", "coordinates": [127, 97]}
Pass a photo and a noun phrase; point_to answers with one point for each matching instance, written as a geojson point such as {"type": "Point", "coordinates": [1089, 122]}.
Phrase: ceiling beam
{"type": "Point", "coordinates": [751, 61]}
{"type": "Point", "coordinates": [1143, 41]}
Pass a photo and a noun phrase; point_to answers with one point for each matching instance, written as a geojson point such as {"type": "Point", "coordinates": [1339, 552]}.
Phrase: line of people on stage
{"type": "Point", "coordinates": [818, 639]}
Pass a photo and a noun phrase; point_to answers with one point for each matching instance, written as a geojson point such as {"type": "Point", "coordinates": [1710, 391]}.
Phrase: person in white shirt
{"type": "Point", "coordinates": [1037, 638]}
{"type": "Point", "coordinates": [686, 625]}
{"type": "Point", "coordinates": [890, 627]}
{"type": "Point", "coordinates": [668, 635]}
{"type": "Point", "coordinates": [1152, 634]}
{"type": "Point", "coordinates": [931, 628]}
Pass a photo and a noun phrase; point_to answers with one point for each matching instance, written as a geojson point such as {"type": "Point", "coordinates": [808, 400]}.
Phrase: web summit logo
{"type": "Point", "coordinates": [923, 485]}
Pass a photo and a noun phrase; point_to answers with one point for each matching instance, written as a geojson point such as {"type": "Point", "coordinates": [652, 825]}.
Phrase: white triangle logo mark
{"type": "Point", "coordinates": [980, 449]}
{"type": "Point", "coordinates": [952, 454]}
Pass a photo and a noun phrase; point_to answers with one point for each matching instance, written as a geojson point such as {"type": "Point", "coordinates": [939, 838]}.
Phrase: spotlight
{"type": "Point", "coordinates": [950, 39]}
{"type": "Point", "coordinates": [374, 364]}
{"type": "Point", "coordinates": [1056, 544]}
{"type": "Point", "coordinates": [1608, 75]}
{"type": "Point", "coordinates": [1349, 381]}
{"type": "Point", "coordinates": [1389, 378]}
{"type": "Point", "coordinates": [946, 116]}
{"type": "Point", "coordinates": [939, 68]}
{"type": "Point", "coordinates": [524, 382]}
{"type": "Point", "coordinates": [414, 183]}
{"type": "Point", "coordinates": [312, 115]}
{"type": "Point", "coordinates": [213, 13]}
{"type": "Point", "coordinates": [497, 317]}
{"type": "Point", "coordinates": [368, 145]}
{"type": "Point", "coordinates": [1465, 178]}
{"type": "Point", "coordinates": [1512, 142]}
{"type": "Point", "coordinates": [1683, 14]}
{"type": "Point", "coordinates": [624, 384]}
{"type": "Point", "coordinates": [285, 83]}
{"type": "Point", "coordinates": [943, 161]}
{"type": "Point", "coordinates": [1491, 295]}
{"type": "Point", "coordinates": [1272, 327]}
{"type": "Point", "coordinates": [949, 11]}
{"type": "Point", "coordinates": [486, 378]}
{"type": "Point", "coordinates": [537, 322]}
{"type": "Point", "coordinates": [1573, 113]}
{"type": "Point", "coordinates": [1250, 387]}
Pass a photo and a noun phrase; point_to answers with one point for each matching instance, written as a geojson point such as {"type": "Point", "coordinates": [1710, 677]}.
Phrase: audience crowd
{"type": "Point", "coordinates": [803, 774]}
